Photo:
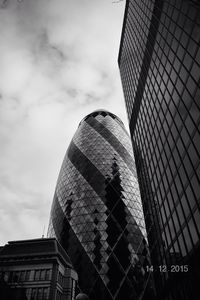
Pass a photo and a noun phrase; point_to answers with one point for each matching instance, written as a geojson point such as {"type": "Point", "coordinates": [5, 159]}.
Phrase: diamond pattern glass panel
{"type": "Point", "coordinates": [97, 214]}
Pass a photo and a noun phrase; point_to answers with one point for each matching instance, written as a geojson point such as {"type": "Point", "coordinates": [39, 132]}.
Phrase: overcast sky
{"type": "Point", "coordinates": [58, 62]}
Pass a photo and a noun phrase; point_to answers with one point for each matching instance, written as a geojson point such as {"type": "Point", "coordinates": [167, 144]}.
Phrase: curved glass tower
{"type": "Point", "coordinates": [97, 214]}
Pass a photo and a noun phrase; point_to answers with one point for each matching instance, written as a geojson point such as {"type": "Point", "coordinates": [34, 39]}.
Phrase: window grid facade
{"type": "Point", "coordinates": [97, 213]}
{"type": "Point", "coordinates": [159, 64]}
{"type": "Point", "coordinates": [35, 269]}
{"type": "Point", "coordinates": [41, 293]}
{"type": "Point", "coordinates": [27, 275]}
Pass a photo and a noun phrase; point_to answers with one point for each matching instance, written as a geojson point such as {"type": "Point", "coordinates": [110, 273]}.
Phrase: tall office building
{"type": "Point", "coordinates": [96, 213]}
{"type": "Point", "coordinates": [159, 61]}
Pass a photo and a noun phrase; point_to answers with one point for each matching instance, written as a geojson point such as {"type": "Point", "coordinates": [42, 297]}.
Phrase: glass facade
{"type": "Point", "coordinates": [97, 214]}
{"type": "Point", "coordinates": [159, 63]}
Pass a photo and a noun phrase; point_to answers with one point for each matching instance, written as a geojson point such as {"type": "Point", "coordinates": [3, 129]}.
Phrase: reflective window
{"type": "Point", "coordinates": [164, 122]}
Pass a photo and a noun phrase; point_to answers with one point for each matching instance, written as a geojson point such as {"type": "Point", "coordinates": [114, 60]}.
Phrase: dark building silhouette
{"type": "Point", "coordinates": [37, 269]}
{"type": "Point", "coordinates": [159, 61]}
{"type": "Point", "coordinates": [97, 215]}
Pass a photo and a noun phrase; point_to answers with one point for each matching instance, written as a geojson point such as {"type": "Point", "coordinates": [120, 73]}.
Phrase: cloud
{"type": "Point", "coordinates": [58, 62]}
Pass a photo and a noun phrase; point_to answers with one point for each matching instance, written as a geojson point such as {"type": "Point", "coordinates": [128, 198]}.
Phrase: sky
{"type": "Point", "coordinates": [58, 62]}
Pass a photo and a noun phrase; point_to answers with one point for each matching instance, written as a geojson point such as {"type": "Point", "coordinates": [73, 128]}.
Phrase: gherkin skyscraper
{"type": "Point", "coordinates": [97, 214]}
